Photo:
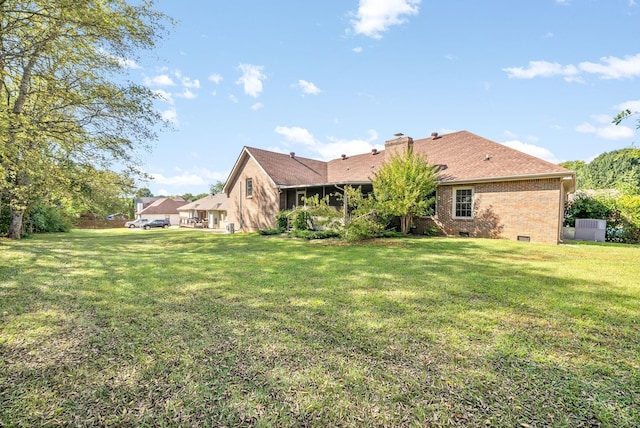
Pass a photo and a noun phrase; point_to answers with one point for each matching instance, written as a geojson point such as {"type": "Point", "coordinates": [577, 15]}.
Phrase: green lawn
{"type": "Point", "coordinates": [187, 328]}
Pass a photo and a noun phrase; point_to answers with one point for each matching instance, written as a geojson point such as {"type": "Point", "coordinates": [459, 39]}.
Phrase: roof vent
{"type": "Point", "coordinates": [343, 156]}
{"type": "Point", "coordinates": [292, 155]}
{"type": "Point", "coordinates": [487, 157]}
{"type": "Point", "coordinates": [374, 151]}
{"type": "Point", "coordinates": [434, 135]}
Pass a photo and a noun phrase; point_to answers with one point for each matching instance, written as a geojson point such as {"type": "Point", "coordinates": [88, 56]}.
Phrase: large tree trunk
{"type": "Point", "coordinates": [15, 227]}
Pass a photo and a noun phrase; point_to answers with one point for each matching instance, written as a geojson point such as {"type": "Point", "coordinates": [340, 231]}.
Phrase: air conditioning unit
{"type": "Point", "coordinates": [231, 228]}
{"type": "Point", "coordinates": [589, 229]}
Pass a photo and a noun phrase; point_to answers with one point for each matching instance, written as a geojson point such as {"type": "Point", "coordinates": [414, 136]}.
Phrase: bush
{"type": "Point", "coordinates": [362, 228]}
{"type": "Point", "coordinates": [46, 219]}
{"type": "Point", "coordinates": [301, 220]}
{"type": "Point", "coordinates": [266, 232]}
{"type": "Point", "coordinates": [314, 234]}
{"type": "Point", "coordinates": [282, 220]}
{"type": "Point", "coordinates": [622, 214]}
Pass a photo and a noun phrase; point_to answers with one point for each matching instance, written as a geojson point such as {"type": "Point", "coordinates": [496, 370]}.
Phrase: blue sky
{"type": "Point", "coordinates": [323, 78]}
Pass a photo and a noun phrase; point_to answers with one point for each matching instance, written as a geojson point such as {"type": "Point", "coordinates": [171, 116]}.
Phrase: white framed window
{"type": "Point", "coordinates": [249, 188]}
{"type": "Point", "coordinates": [463, 202]}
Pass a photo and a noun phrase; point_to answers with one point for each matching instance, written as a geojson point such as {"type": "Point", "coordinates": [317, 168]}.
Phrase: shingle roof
{"type": "Point", "coordinates": [466, 156]}
{"type": "Point", "coordinates": [208, 203]}
{"type": "Point", "coordinates": [462, 156]}
{"type": "Point", "coordinates": [163, 206]}
{"type": "Point", "coordinates": [288, 170]}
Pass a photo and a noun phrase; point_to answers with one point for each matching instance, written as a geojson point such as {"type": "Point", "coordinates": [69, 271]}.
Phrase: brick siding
{"type": "Point", "coordinates": [506, 210]}
{"type": "Point", "coordinates": [259, 211]}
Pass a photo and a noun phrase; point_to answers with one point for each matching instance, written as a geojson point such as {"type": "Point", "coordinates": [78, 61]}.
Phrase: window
{"type": "Point", "coordinates": [463, 203]}
{"type": "Point", "coordinates": [249, 188]}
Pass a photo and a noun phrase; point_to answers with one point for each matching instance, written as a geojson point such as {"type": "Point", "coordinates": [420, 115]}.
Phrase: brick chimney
{"type": "Point", "coordinates": [398, 146]}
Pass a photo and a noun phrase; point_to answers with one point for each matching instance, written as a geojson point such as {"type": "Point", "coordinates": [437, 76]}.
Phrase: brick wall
{"type": "Point", "coordinates": [259, 211]}
{"type": "Point", "coordinates": [527, 208]}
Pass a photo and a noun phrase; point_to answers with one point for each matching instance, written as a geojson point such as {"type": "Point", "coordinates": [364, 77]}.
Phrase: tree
{"type": "Point", "coordinates": [143, 192]}
{"type": "Point", "coordinates": [579, 167]}
{"type": "Point", "coordinates": [65, 107]}
{"type": "Point", "coordinates": [405, 186]}
{"type": "Point", "coordinates": [216, 188]}
{"type": "Point", "coordinates": [618, 169]}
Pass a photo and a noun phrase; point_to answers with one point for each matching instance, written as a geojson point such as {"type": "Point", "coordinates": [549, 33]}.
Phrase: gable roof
{"type": "Point", "coordinates": [463, 157]}
{"type": "Point", "coordinates": [163, 206]}
{"type": "Point", "coordinates": [208, 203]}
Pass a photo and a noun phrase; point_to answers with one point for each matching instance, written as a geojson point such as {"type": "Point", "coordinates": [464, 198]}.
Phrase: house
{"type": "Point", "coordinates": [485, 189]}
{"type": "Point", "coordinates": [209, 212]}
{"type": "Point", "coordinates": [163, 209]}
{"type": "Point", "coordinates": [141, 203]}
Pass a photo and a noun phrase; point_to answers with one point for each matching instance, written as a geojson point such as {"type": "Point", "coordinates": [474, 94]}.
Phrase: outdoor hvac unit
{"type": "Point", "coordinates": [588, 229]}
{"type": "Point", "coordinates": [231, 227]}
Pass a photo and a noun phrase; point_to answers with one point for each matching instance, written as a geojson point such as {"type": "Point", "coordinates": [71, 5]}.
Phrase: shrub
{"type": "Point", "coordinates": [315, 234]}
{"type": "Point", "coordinates": [266, 232]}
{"type": "Point", "coordinates": [282, 220]}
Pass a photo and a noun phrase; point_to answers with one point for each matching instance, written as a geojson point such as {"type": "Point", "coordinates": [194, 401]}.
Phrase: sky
{"type": "Point", "coordinates": [326, 78]}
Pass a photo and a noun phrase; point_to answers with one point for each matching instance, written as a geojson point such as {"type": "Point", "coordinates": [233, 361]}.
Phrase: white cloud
{"type": "Point", "coordinates": [170, 115]}
{"type": "Point", "coordinates": [611, 67]}
{"type": "Point", "coordinates": [334, 148]}
{"type": "Point", "coordinates": [233, 98]}
{"type": "Point", "coordinates": [251, 79]}
{"type": "Point", "coordinates": [608, 68]}
{"type": "Point", "coordinates": [633, 105]}
{"type": "Point", "coordinates": [607, 132]}
{"type": "Point", "coordinates": [187, 94]}
{"type": "Point", "coordinates": [307, 87]}
{"type": "Point", "coordinates": [128, 63]}
{"type": "Point", "coordinates": [541, 69]}
{"type": "Point", "coordinates": [166, 96]}
{"type": "Point", "coordinates": [376, 16]}
{"type": "Point", "coordinates": [187, 82]}
{"type": "Point", "coordinates": [533, 150]}
{"type": "Point", "coordinates": [215, 78]}
{"type": "Point", "coordinates": [296, 135]}
{"type": "Point", "coordinates": [257, 106]}
{"type": "Point", "coordinates": [159, 80]}
{"type": "Point", "coordinates": [193, 177]}
{"type": "Point", "coordinates": [357, 49]}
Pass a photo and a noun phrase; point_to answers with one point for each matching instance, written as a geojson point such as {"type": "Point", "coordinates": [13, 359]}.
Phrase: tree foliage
{"type": "Point", "coordinates": [404, 187]}
{"type": "Point", "coordinates": [216, 188]}
{"type": "Point", "coordinates": [65, 109]}
{"type": "Point", "coordinates": [618, 169]}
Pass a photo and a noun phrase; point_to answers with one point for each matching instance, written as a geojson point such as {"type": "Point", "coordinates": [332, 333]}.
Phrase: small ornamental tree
{"type": "Point", "coordinates": [404, 187]}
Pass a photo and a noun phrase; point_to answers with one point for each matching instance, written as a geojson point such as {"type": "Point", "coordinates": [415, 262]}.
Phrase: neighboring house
{"type": "Point", "coordinates": [142, 203]}
{"type": "Point", "coordinates": [163, 209]}
{"type": "Point", "coordinates": [209, 212]}
{"type": "Point", "coordinates": [485, 189]}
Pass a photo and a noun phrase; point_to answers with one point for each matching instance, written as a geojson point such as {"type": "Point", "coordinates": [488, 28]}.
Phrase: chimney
{"type": "Point", "coordinates": [292, 155]}
{"type": "Point", "coordinates": [398, 145]}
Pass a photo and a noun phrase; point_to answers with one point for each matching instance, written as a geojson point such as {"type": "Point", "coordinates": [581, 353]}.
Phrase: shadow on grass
{"type": "Point", "coordinates": [183, 328]}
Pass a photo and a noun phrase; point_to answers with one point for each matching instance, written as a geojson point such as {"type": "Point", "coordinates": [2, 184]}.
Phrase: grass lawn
{"type": "Point", "coordinates": [186, 328]}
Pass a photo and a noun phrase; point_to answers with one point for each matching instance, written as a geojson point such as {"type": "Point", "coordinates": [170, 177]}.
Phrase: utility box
{"type": "Point", "coordinates": [589, 229]}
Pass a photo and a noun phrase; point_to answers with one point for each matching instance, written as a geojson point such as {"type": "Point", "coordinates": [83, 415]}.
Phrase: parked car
{"type": "Point", "coordinates": [157, 223]}
{"type": "Point", "coordinates": [136, 223]}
